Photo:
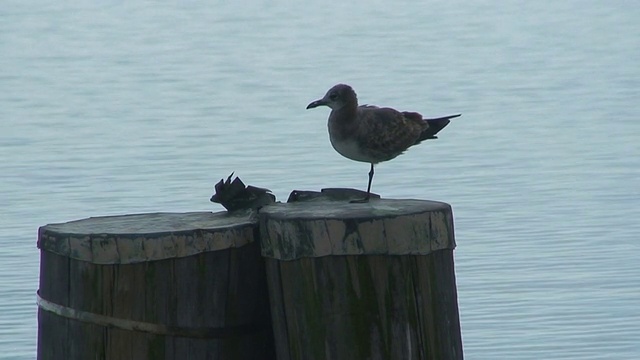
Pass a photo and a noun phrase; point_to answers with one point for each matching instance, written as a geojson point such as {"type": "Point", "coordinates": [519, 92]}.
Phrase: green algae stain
{"type": "Point", "coordinates": [156, 347]}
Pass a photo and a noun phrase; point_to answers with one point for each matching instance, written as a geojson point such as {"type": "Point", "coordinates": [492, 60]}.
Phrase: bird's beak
{"type": "Point", "coordinates": [316, 104]}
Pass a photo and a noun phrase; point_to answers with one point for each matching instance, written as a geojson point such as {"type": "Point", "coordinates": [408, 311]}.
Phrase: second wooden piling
{"type": "Point", "coordinates": [362, 281]}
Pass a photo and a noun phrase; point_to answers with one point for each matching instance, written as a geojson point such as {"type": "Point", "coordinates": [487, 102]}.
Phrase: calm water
{"type": "Point", "coordinates": [111, 108]}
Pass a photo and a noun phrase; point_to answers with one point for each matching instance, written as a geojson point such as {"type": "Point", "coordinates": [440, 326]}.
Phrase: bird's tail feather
{"type": "Point", "coordinates": [448, 117]}
{"type": "Point", "coordinates": [435, 125]}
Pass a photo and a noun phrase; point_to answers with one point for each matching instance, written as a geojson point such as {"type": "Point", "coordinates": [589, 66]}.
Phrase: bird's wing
{"type": "Point", "coordinates": [386, 132]}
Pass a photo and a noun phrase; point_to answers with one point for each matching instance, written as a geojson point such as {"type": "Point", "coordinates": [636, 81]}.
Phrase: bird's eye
{"type": "Point", "coordinates": [333, 97]}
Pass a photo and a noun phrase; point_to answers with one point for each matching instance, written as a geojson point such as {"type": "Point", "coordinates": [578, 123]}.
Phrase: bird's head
{"type": "Point", "coordinates": [337, 97]}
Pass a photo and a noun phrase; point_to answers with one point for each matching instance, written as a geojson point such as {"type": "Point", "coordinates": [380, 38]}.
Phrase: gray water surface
{"type": "Point", "coordinates": [108, 107]}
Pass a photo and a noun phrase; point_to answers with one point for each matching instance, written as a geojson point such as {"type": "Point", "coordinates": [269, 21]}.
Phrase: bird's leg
{"type": "Point", "coordinates": [370, 179]}
{"type": "Point", "coordinates": [366, 198]}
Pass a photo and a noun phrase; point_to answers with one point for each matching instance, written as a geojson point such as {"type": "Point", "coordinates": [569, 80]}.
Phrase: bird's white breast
{"type": "Point", "coordinates": [350, 149]}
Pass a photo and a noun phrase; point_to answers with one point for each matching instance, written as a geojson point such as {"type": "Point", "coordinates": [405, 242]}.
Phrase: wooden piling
{"type": "Point", "coordinates": [362, 281]}
{"type": "Point", "coordinates": [153, 286]}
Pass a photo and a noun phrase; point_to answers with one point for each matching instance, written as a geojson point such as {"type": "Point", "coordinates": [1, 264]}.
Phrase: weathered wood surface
{"type": "Point", "coordinates": [135, 238]}
{"type": "Point", "coordinates": [382, 227]}
{"type": "Point", "coordinates": [197, 280]}
{"type": "Point", "coordinates": [362, 281]}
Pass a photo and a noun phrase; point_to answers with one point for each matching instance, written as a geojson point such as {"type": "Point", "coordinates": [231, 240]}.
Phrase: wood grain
{"type": "Point", "coordinates": [210, 301]}
{"type": "Point", "coordinates": [362, 281]}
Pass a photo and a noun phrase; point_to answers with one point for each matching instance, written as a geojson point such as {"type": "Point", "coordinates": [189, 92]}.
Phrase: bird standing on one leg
{"type": "Point", "coordinates": [372, 134]}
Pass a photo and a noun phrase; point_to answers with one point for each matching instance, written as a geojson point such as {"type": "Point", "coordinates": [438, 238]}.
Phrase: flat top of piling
{"type": "Point", "coordinates": [320, 227]}
{"type": "Point", "coordinates": [127, 239]}
{"type": "Point", "coordinates": [152, 223]}
{"type": "Point", "coordinates": [336, 209]}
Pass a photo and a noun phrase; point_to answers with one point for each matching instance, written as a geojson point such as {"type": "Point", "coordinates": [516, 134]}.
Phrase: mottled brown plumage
{"type": "Point", "coordinates": [384, 133]}
{"type": "Point", "coordinates": [372, 134]}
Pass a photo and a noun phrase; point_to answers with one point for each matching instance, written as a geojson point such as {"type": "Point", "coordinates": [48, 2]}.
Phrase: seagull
{"type": "Point", "coordinates": [373, 134]}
